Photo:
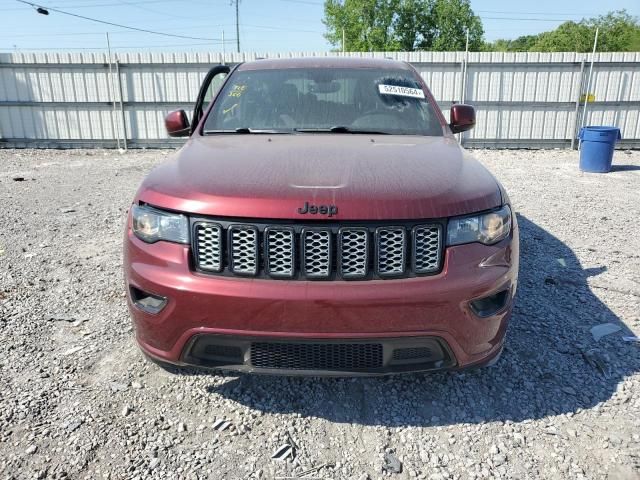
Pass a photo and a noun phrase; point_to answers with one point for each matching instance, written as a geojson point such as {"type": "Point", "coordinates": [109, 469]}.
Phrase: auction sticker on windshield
{"type": "Point", "coordinates": [402, 91]}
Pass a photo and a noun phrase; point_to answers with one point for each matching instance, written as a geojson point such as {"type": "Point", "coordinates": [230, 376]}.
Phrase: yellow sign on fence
{"type": "Point", "coordinates": [587, 97]}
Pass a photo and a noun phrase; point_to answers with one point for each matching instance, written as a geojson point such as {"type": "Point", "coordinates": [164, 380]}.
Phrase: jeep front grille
{"type": "Point", "coordinates": [354, 252]}
{"type": "Point", "coordinates": [426, 248]}
{"type": "Point", "coordinates": [208, 245]}
{"type": "Point", "coordinates": [390, 251]}
{"type": "Point", "coordinates": [349, 252]}
{"type": "Point", "coordinates": [316, 253]}
{"type": "Point", "coordinates": [279, 251]}
{"type": "Point", "coordinates": [243, 245]}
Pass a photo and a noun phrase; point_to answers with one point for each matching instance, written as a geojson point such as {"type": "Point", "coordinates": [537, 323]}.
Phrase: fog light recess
{"type": "Point", "coordinates": [147, 302]}
{"type": "Point", "coordinates": [487, 306]}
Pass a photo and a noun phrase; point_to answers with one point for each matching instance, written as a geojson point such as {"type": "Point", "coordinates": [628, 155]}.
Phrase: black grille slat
{"type": "Point", "coordinates": [335, 252]}
{"type": "Point", "coordinates": [317, 356]}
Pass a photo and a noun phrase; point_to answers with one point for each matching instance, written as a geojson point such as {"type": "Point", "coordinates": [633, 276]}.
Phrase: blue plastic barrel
{"type": "Point", "coordinates": [596, 151]}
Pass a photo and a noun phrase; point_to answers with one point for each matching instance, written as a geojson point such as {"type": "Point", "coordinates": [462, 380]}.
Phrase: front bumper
{"type": "Point", "coordinates": [431, 312]}
{"type": "Point", "coordinates": [375, 356]}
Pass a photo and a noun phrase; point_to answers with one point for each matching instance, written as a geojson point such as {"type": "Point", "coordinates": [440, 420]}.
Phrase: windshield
{"type": "Point", "coordinates": [314, 100]}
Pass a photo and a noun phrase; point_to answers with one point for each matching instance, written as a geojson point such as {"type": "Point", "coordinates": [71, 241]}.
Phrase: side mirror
{"type": "Point", "coordinates": [463, 118]}
{"type": "Point", "coordinates": [177, 124]}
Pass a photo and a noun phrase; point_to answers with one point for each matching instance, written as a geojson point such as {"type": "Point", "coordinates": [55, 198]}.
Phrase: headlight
{"type": "Point", "coordinates": [488, 228]}
{"type": "Point", "coordinates": [151, 225]}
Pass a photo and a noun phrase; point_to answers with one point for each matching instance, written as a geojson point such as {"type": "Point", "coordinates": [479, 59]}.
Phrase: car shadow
{"type": "Point", "coordinates": [551, 364]}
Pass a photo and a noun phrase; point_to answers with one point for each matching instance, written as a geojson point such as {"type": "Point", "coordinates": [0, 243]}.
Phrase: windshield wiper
{"type": "Point", "coordinates": [335, 129]}
{"type": "Point", "coordinates": [246, 130]}
{"type": "Point", "coordinates": [340, 129]}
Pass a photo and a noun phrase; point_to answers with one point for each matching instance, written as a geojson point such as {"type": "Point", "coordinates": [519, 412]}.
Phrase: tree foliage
{"type": "Point", "coordinates": [618, 32]}
{"type": "Point", "coordinates": [402, 25]}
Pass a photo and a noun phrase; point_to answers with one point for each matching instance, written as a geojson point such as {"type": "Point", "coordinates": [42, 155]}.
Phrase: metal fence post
{"type": "Point", "coordinates": [463, 87]}
{"type": "Point", "coordinates": [576, 123]}
{"type": "Point", "coordinates": [462, 79]}
{"type": "Point", "coordinates": [111, 93]}
{"type": "Point", "coordinates": [124, 122]}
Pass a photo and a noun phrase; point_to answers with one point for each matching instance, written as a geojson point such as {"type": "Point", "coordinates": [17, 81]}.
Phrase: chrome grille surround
{"type": "Point", "coordinates": [280, 251]}
{"type": "Point", "coordinates": [243, 246]}
{"type": "Point", "coordinates": [427, 245]}
{"type": "Point", "coordinates": [391, 248]}
{"type": "Point", "coordinates": [351, 251]}
{"type": "Point", "coordinates": [316, 252]}
{"type": "Point", "coordinates": [207, 244]}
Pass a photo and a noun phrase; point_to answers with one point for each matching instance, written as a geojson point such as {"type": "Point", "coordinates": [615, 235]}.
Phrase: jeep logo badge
{"type": "Point", "coordinates": [330, 210]}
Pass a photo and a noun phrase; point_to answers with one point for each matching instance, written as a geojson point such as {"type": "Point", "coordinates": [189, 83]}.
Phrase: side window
{"type": "Point", "coordinates": [210, 86]}
{"type": "Point", "coordinates": [211, 92]}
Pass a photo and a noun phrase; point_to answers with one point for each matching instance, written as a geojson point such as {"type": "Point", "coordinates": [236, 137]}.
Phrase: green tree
{"type": "Point", "coordinates": [413, 21]}
{"type": "Point", "coordinates": [367, 24]}
{"type": "Point", "coordinates": [618, 32]}
{"type": "Point", "coordinates": [450, 20]}
{"type": "Point", "coordinates": [520, 44]}
{"type": "Point", "coordinates": [568, 37]}
{"type": "Point", "coordinates": [392, 25]}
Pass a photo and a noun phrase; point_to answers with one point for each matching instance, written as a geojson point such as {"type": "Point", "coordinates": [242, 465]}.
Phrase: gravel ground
{"type": "Point", "coordinates": [78, 400]}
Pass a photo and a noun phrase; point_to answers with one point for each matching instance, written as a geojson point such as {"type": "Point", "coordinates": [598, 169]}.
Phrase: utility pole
{"type": "Point", "coordinates": [238, 25]}
{"type": "Point", "coordinates": [466, 48]}
{"type": "Point", "coordinates": [111, 88]}
{"type": "Point", "coordinates": [586, 97]}
{"type": "Point", "coordinates": [466, 66]}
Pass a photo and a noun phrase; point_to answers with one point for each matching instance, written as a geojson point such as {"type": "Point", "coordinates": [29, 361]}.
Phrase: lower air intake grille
{"type": "Point", "coordinates": [317, 356]}
{"type": "Point", "coordinates": [412, 353]}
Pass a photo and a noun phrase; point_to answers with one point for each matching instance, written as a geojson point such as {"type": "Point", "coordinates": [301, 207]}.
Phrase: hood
{"type": "Point", "coordinates": [365, 177]}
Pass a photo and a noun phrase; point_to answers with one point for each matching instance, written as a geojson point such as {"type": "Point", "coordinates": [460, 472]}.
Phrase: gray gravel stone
{"type": "Point", "coordinates": [557, 405]}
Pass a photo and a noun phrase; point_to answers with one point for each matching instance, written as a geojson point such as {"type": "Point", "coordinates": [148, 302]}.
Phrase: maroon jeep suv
{"type": "Point", "coordinates": [321, 219]}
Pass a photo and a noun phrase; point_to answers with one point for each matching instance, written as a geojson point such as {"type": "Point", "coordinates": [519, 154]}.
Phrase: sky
{"type": "Point", "coordinates": [265, 25]}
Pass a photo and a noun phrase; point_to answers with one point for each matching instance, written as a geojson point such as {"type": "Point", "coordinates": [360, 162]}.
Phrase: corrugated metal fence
{"type": "Point", "coordinates": [523, 100]}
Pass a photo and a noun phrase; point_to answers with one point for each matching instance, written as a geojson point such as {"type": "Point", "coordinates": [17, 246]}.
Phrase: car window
{"type": "Point", "coordinates": [381, 100]}
{"type": "Point", "coordinates": [214, 86]}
